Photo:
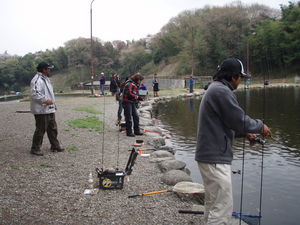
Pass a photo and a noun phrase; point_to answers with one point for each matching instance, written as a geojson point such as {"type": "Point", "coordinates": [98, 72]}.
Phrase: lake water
{"type": "Point", "coordinates": [280, 108]}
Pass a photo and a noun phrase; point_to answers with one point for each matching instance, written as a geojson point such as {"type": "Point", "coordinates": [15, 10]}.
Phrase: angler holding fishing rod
{"type": "Point", "coordinates": [221, 119]}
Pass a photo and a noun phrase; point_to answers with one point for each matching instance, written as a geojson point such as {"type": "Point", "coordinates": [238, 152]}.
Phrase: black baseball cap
{"type": "Point", "coordinates": [44, 65]}
{"type": "Point", "coordinates": [233, 65]}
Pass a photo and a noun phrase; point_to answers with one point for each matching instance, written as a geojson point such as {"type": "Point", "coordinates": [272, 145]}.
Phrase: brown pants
{"type": "Point", "coordinates": [43, 123]}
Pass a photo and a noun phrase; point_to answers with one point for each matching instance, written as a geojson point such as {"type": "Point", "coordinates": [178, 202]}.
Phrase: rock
{"type": "Point", "coordinates": [157, 142]}
{"type": "Point", "coordinates": [189, 191]}
{"type": "Point", "coordinates": [146, 115]}
{"type": "Point", "coordinates": [153, 135]}
{"type": "Point", "coordinates": [145, 122]}
{"type": "Point", "coordinates": [187, 171]}
{"type": "Point", "coordinates": [161, 154]}
{"type": "Point", "coordinates": [158, 160]}
{"type": "Point", "coordinates": [167, 148]}
{"type": "Point", "coordinates": [145, 109]}
{"type": "Point", "coordinates": [172, 177]}
{"type": "Point", "coordinates": [152, 129]}
{"type": "Point", "coordinates": [145, 104]}
{"type": "Point", "coordinates": [168, 165]}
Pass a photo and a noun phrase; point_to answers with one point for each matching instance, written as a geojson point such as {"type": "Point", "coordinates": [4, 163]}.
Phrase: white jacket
{"type": "Point", "coordinates": [41, 90]}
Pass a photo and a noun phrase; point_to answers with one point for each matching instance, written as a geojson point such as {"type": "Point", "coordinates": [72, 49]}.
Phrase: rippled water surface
{"type": "Point", "coordinates": [280, 108]}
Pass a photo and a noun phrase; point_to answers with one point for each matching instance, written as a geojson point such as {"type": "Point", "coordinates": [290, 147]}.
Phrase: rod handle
{"type": "Point", "coordinates": [133, 196]}
{"type": "Point", "coordinates": [190, 212]}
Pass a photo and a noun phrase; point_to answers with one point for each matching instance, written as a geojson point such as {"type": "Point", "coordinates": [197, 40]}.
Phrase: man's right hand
{"type": "Point", "coordinates": [266, 131]}
{"type": "Point", "coordinates": [48, 102]}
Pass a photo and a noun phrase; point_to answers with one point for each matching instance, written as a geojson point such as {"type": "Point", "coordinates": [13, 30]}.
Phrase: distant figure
{"type": "Point", "coordinates": [113, 84]}
{"type": "Point", "coordinates": [143, 91]}
{"type": "Point", "coordinates": [191, 84]}
{"type": "Point", "coordinates": [206, 86]}
{"type": "Point", "coordinates": [248, 82]}
{"type": "Point", "coordinates": [143, 87]}
{"type": "Point", "coordinates": [155, 86]}
{"type": "Point", "coordinates": [118, 80]}
{"type": "Point", "coordinates": [102, 83]}
{"type": "Point", "coordinates": [43, 107]}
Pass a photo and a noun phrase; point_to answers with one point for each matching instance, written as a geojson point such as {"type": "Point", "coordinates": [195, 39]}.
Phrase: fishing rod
{"type": "Point", "coordinates": [181, 187]}
{"type": "Point", "coordinates": [236, 214]}
{"type": "Point", "coordinates": [149, 193]}
{"type": "Point", "coordinates": [262, 142]}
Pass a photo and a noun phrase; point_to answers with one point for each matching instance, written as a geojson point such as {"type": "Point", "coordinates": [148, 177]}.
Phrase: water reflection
{"type": "Point", "coordinates": [280, 109]}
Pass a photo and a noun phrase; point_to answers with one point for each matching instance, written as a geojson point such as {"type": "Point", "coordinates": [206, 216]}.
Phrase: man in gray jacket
{"type": "Point", "coordinates": [221, 119]}
{"type": "Point", "coordinates": [43, 107]}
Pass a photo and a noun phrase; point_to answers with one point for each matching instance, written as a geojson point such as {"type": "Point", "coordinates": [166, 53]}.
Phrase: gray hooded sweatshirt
{"type": "Point", "coordinates": [41, 90]}
{"type": "Point", "coordinates": [221, 119]}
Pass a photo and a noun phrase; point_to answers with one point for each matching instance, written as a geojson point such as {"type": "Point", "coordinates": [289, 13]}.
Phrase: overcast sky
{"type": "Point", "coordinates": [33, 25]}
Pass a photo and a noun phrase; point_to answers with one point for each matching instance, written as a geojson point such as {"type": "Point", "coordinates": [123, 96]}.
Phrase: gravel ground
{"type": "Point", "coordinates": [35, 194]}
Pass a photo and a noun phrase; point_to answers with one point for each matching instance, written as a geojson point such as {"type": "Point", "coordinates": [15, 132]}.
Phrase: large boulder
{"type": "Point", "coordinates": [152, 129]}
{"type": "Point", "coordinates": [144, 122]}
{"type": "Point", "coordinates": [161, 154]}
{"type": "Point", "coordinates": [172, 177]}
{"type": "Point", "coordinates": [146, 115]}
{"type": "Point", "coordinates": [156, 142]}
{"type": "Point", "coordinates": [152, 135]}
{"type": "Point", "coordinates": [168, 165]}
{"type": "Point", "coordinates": [158, 160]}
{"type": "Point", "coordinates": [145, 109]}
{"type": "Point", "coordinates": [189, 191]}
{"type": "Point", "coordinates": [167, 148]}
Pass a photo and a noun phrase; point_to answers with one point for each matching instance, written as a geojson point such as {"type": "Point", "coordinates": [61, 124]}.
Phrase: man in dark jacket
{"type": "Point", "coordinates": [221, 119]}
{"type": "Point", "coordinates": [130, 100]}
{"type": "Point", "coordinates": [113, 87]}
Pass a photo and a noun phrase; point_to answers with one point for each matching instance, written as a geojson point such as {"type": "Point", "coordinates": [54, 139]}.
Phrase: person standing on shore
{"type": "Point", "coordinates": [191, 83]}
{"type": "Point", "coordinates": [221, 119]}
{"type": "Point", "coordinates": [130, 100]}
{"type": "Point", "coordinates": [43, 107]}
{"type": "Point", "coordinates": [113, 84]}
{"type": "Point", "coordinates": [102, 83]}
{"type": "Point", "coordinates": [155, 86]}
{"type": "Point", "coordinates": [119, 99]}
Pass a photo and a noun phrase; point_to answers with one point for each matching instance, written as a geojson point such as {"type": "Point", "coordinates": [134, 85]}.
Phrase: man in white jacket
{"type": "Point", "coordinates": [43, 107]}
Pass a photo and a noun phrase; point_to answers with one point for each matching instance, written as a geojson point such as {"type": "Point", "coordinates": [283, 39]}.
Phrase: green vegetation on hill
{"type": "Point", "coordinates": [194, 42]}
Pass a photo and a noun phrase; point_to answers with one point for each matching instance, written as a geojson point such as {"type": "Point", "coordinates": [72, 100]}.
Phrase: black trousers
{"type": "Point", "coordinates": [45, 123]}
{"type": "Point", "coordinates": [120, 109]}
{"type": "Point", "coordinates": [131, 115]}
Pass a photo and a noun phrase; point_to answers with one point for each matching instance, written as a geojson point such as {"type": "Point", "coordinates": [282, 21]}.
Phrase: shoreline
{"type": "Point", "coordinates": [49, 189]}
{"type": "Point", "coordinates": [32, 193]}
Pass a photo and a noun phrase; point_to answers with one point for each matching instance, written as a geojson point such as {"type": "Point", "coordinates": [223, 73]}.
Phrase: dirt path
{"type": "Point", "coordinates": [49, 189]}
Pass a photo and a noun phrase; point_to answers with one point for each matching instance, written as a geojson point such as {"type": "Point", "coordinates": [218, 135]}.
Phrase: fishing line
{"type": "Point", "coordinates": [243, 158]}
{"type": "Point", "coordinates": [103, 127]}
{"type": "Point", "coordinates": [262, 144]}
{"type": "Point", "coordinates": [118, 154]}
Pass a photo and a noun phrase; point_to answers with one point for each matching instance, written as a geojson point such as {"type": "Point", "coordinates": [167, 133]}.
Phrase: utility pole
{"type": "Point", "coordinates": [91, 51]}
{"type": "Point", "coordinates": [248, 61]}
